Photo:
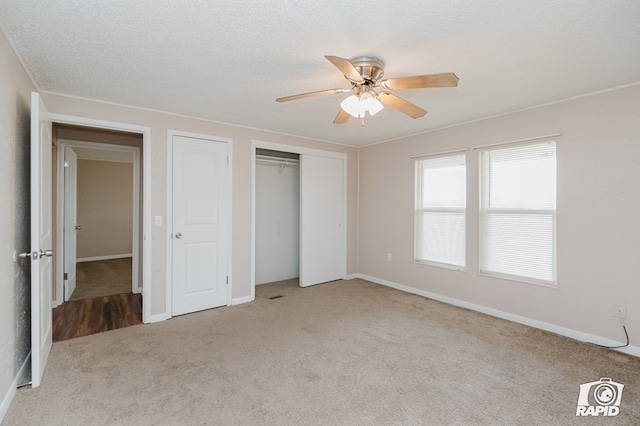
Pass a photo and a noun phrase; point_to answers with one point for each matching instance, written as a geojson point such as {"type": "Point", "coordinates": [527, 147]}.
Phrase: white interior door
{"type": "Point", "coordinates": [322, 242]}
{"type": "Point", "coordinates": [200, 228]}
{"type": "Point", "coordinates": [41, 239]}
{"type": "Point", "coordinates": [70, 220]}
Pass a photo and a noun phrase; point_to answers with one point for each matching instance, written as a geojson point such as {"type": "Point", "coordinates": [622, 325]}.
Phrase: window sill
{"type": "Point", "coordinates": [441, 265]}
{"type": "Point", "coordinates": [548, 284]}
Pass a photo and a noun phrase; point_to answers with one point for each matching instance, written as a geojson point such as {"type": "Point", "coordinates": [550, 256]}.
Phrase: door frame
{"type": "Point", "coordinates": [145, 244]}
{"type": "Point", "coordinates": [256, 144]}
{"type": "Point", "coordinates": [169, 214]}
{"type": "Point", "coordinates": [67, 143]}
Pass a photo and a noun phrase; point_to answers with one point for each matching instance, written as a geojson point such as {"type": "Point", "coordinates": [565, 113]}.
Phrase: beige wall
{"type": "Point", "coordinates": [241, 233]}
{"type": "Point", "coordinates": [105, 209]}
{"type": "Point", "coordinates": [598, 211]}
{"type": "Point", "coordinates": [15, 92]}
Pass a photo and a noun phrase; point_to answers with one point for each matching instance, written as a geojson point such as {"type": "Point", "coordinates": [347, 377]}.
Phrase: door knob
{"type": "Point", "coordinates": [47, 253]}
{"type": "Point", "coordinates": [178, 235]}
{"type": "Point", "coordinates": [34, 255]}
{"type": "Point", "coordinates": [28, 255]}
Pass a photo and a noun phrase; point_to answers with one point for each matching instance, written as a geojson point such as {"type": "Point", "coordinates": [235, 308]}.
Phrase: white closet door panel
{"type": "Point", "coordinates": [322, 251]}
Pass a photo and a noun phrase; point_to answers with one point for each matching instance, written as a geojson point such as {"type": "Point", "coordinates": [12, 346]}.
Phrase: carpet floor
{"type": "Point", "coordinates": [341, 353]}
{"type": "Point", "coordinates": [102, 278]}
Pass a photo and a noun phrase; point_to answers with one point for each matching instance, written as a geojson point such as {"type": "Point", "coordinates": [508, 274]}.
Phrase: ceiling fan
{"type": "Point", "coordinates": [371, 92]}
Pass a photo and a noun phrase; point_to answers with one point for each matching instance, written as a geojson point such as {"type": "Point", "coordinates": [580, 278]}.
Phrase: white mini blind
{"type": "Point", "coordinates": [440, 215]}
{"type": "Point", "coordinates": [518, 211]}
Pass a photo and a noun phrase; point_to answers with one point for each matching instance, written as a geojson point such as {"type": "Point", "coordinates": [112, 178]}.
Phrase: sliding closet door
{"type": "Point", "coordinates": [322, 231]}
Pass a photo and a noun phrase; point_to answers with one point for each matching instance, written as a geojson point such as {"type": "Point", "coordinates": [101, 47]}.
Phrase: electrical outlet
{"type": "Point", "coordinates": [619, 311]}
{"type": "Point", "coordinates": [388, 257]}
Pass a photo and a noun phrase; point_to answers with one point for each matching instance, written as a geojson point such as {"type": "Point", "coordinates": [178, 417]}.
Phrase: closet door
{"type": "Point", "coordinates": [322, 231]}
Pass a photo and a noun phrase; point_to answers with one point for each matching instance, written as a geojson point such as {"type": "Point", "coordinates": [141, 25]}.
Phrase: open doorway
{"type": "Point", "coordinates": [98, 203]}
{"type": "Point", "coordinates": [277, 206]}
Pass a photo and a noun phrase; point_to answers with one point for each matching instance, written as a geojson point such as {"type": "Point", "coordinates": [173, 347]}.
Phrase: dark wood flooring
{"type": "Point", "coordinates": [89, 316]}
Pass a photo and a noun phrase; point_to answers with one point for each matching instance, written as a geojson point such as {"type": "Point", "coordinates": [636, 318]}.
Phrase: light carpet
{"type": "Point", "coordinates": [341, 353]}
{"type": "Point", "coordinates": [102, 278]}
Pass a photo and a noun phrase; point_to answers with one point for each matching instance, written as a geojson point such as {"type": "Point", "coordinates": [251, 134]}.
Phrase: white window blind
{"type": "Point", "coordinates": [518, 212]}
{"type": "Point", "coordinates": [440, 213]}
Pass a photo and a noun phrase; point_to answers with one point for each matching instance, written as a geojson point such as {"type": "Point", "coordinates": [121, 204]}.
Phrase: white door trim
{"type": "Point", "coordinates": [147, 317]}
{"type": "Point", "coordinates": [169, 210]}
{"type": "Point", "coordinates": [64, 143]}
{"type": "Point", "coordinates": [255, 144]}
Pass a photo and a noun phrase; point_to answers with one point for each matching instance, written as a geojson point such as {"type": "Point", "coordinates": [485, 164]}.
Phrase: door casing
{"type": "Point", "coordinates": [62, 145]}
{"type": "Point", "coordinates": [145, 244]}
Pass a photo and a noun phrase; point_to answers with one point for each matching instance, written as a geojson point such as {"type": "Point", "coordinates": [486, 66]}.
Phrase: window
{"type": "Point", "coordinates": [518, 212]}
{"type": "Point", "coordinates": [440, 213]}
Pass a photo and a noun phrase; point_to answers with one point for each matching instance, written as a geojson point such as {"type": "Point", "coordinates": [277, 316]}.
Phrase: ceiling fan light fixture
{"type": "Point", "coordinates": [358, 105]}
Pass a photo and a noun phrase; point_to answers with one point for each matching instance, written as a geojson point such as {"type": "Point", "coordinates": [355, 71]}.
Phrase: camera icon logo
{"type": "Point", "coordinates": [602, 397]}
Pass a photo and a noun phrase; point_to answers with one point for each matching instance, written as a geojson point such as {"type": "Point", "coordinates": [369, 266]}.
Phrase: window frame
{"type": "Point", "coordinates": [418, 209]}
{"type": "Point", "coordinates": [484, 211]}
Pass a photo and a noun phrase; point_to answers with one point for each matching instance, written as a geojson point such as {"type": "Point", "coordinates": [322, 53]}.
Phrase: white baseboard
{"type": "Point", "coordinates": [11, 392]}
{"type": "Point", "coordinates": [352, 277]}
{"type": "Point", "coordinates": [563, 331]}
{"type": "Point", "coordinates": [109, 257]}
{"type": "Point", "coordinates": [241, 300]}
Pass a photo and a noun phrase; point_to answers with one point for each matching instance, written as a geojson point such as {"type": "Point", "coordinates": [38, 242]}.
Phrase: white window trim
{"type": "Point", "coordinates": [418, 201]}
{"type": "Point", "coordinates": [552, 284]}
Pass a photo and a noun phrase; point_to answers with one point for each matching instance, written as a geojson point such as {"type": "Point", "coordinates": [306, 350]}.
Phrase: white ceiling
{"type": "Point", "coordinates": [227, 61]}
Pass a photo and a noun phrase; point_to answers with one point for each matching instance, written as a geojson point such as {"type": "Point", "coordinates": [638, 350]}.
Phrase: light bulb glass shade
{"type": "Point", "coordinates": [353, 106]}
{"type": "Point", "coordinates": [372, 104]}
{"type": "Point", "coordinates": [358, 105]}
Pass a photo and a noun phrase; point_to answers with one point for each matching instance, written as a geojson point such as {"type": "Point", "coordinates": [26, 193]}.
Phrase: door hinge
{"type": "Point", "coordinates": [227, 160]}
{"type": "Point", "coordinates": [227, 279]}
{"type": "Point", "coordinates": [66, 276]}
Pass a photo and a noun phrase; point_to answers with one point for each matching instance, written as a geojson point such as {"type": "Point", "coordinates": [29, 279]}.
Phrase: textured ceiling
{"type": "Point", "coordinates": [228, 60]}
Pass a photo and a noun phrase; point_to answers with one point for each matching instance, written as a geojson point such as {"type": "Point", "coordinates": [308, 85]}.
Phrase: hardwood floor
{"type": "Point", "coordinates": [89, 316]}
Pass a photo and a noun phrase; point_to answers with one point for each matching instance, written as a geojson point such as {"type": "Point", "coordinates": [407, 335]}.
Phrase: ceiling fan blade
{"type": "Point", "coordinates": [406, 107]}
{"type": "Point", "coordinates": [342, 117]}
{"type": "Point", "coordinates": [310, 94]}
{"type": "Point", "coordinates": [447, 79]}
{"type": "Point", "coordinates": [347, 68]}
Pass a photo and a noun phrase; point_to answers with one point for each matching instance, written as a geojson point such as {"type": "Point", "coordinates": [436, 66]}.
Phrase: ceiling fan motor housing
{"type": "Point", "coordinates": [370, 68]}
